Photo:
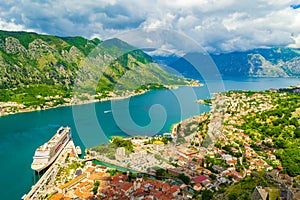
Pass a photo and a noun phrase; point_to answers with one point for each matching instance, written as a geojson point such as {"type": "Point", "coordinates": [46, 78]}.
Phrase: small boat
{"type": "Point", "coordinates": [107, 111]}
{"type": "Point", "coordinates": [78, 150]}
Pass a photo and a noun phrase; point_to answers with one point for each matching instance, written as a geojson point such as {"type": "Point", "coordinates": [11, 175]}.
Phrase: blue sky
{"type": "Point", "coordinates": [217, 25]}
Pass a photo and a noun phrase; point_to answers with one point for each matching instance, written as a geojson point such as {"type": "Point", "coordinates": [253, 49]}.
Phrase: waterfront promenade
{"type": "Point", "coordinates": [42, 183]}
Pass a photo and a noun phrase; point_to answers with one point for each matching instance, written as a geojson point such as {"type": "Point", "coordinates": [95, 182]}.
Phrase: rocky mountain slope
{"type": "Point", "coordinates": [272, 62]}
{"type": "Point", "coordinates": [34, 67]}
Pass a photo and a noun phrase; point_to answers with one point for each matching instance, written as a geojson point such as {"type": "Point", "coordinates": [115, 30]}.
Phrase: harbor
{"type": "Point", "coordinates": [42, 185]}
{"type": "Point", "coordinates": [36, 127]}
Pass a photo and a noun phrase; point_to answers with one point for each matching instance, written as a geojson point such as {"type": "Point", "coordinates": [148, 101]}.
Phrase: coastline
{"type": "Point", "coordinates": [94, 100]}
{"type": "Point", "coordinates": [2, 114]}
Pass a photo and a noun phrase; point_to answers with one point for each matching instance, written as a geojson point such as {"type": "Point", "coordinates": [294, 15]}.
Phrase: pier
{"type": "Point", "coordinates": [50, 172]}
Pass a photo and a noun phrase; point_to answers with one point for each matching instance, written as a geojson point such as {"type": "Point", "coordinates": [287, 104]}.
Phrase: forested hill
{"type": "Point", "coordinates": [33, 65]}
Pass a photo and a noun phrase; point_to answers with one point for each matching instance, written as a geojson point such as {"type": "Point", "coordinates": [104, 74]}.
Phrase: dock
{"type": "Point", "coordinates": [51, 172]}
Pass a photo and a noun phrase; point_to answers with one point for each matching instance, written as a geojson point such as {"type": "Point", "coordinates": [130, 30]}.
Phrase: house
{"type": "Point", "coordinates": [127, 188]}
{"type": "Point", "coordinates": [234, 150]}
{"type": "Point", "coordinates": [231, 162]}
{"type": "Point", "coordinates": [268, 167]}
{"type": "Point", "coordinates": [59, 196]}
{"type": "Point", "coordinates": [175, 189]}
{"type": "Point", "coordinates": [271, 156]}
{"type": "Point", "coordinates": [197, 187]}
{"type": "Point", "coordinates": [211, 155]}
{"type": "Point", "coordinates": [236, 176]}
{"type": "Point", "coordinates": [165, 187]}
{"type": "Point", "coordinates": [226, 157]}
{"type": "Point", "coordinates": [175, 171]}
{"type": "Point", "coordinates": [259, 194]}
{"type": "Point", "coordinates": [63, 188]}
{"type": "Point", "coordinates": [202, 179]}
{"type": "Point", "coordinates": [218, 168]}
{"type": "Point", "coordinates": [158, 145]}
{"type": "Point", "coordinates": [286, 178]}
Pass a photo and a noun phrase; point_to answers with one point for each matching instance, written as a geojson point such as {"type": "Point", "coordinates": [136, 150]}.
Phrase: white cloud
{"type": "Point", "coordinates": [217, 25]}
{"type": "Point", "coordinates": [12, 26]}
{"type": "Point", "coordinates": [296, 43]}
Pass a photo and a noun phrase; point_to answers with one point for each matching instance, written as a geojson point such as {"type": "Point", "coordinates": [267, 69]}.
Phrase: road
{"type": "Point", "coordinates": [51, 172]}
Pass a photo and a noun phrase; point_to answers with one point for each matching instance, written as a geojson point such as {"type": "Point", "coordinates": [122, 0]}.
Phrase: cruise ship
{"type": "Point", "coordinates": [48, 152]}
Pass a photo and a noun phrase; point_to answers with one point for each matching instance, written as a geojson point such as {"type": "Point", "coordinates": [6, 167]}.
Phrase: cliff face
{"type": "Point", "coordinates": [28, 58]}
{"type": "Point", "coordinates": [272, 62]}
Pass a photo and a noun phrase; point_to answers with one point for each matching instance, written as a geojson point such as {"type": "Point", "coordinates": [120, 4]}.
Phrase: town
{"type": "Point", "coordinates": [201, 158]}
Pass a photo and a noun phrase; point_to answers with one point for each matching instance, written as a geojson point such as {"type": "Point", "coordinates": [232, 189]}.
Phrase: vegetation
{"type": "Point", "coordinates": [207, 195]}
{"type": "Point", "coordinates": [163, 139]}
{"type": "Point", "coordinates": [160, 172]}
{"type": "Point", "coordinates": [282, 126]}
{"type": "Point", "coordinates": [185, 179]}
{"type": "Point", "coordinates": [34, 67]}
{"type": "Point", "coordinates": [112, 172]}
{"type": "Point", "coordinates": [108, 150]}
{"type": "Point", "coordinates": [207, 101]}
{"type": "Point", "coordinates": [150, 86]}
{"type": "Point", "coordinates": [36, 95]}
{"type": "Point", "coordinates": [120, 142]}
{"type": "Point", "coordinates": [95, 188]}
{"type": "Point", "coordinates": [245, 187]}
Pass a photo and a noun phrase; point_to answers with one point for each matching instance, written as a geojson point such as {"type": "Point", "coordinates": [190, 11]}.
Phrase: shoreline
{"type": "Point", "coordinates": [90, 101]}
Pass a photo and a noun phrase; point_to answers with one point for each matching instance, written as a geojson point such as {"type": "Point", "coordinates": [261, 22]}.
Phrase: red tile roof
{"type": "Point", "coordinates": [126, 186]}
{"type": "Point", "coordinates": [199, 179]}
{"type": "Point", "coordinates": [174, 188]}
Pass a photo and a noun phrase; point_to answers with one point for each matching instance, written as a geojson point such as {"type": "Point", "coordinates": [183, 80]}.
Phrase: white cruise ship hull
{"type": "Point", "coordinates": [39, 166]}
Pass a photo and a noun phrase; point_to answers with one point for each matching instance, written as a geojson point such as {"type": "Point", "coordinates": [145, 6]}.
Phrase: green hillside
{"type": "Point", "coordinates": [35, 69]}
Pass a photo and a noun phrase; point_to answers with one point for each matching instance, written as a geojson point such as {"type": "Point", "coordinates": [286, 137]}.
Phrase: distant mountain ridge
{"type": "Point", "coordinates": [272, 62]}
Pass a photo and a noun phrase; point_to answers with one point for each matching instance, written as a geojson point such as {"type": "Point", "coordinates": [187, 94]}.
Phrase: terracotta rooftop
{"type": "Point", "coordinates": [59, 196]}
{"type": "Point", "coordinates": [174, 188]}
{"type": "Point", "coordinates": [73, 181]}
{"type": "Point", "coordinates": [98, 176]}
{"type": "Point", "coordinates": [199, 179]}
{"type": "Point", "coordinates": [126, 186]}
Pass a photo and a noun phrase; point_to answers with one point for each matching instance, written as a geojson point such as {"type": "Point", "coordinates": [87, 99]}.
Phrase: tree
{"type": "Point", "coordinates": [185, 179]}
{"type": "Point", "coordinates": [207, 195]}
{"type": "Point", "coordinates": [232, 196]}
{"type": "Point", "coordinates": [160, 172]}
{"type": "Point", "coordinates": [297, 132]}
{"type": "Point", "coordinates": [130, 177]}
{"type": "Point", "coordinates": [213, 176]}
{"type": "Point", "coordinates": [95, 188]}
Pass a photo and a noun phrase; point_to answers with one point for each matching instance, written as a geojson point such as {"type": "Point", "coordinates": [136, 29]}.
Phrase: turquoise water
{"type": "Point", "coordinates": [22, 133]}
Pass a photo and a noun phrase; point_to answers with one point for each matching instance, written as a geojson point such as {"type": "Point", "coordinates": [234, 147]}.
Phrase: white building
{"type": "Point", "coordinates": [120, 154]}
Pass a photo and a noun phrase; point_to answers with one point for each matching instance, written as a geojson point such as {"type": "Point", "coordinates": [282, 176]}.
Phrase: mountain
{"type": "Point", "coordinates": [35, 68]}
{"type": "Point", "coordinates": [272, 62]}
